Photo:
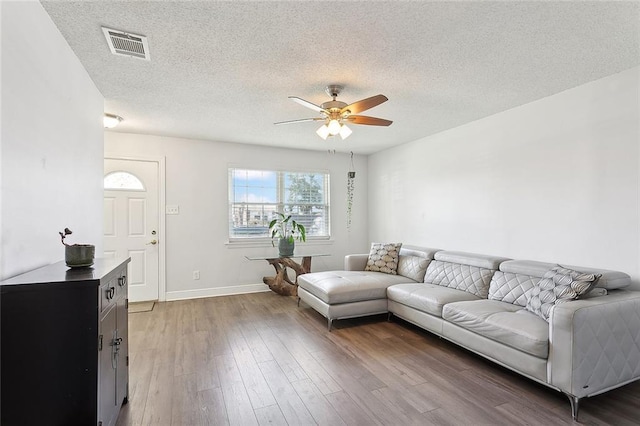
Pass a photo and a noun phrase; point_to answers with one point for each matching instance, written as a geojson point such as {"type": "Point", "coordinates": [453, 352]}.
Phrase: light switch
{"type": "Point", "coordinates": [173, 209]}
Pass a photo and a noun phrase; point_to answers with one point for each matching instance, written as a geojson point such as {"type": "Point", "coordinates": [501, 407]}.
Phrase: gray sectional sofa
{"type": "Point", "coordinates": [588, 346]}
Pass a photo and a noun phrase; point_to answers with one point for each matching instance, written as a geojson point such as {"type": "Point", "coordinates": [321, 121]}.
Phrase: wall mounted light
{"type": "Point", "coordinates": [111, 120]}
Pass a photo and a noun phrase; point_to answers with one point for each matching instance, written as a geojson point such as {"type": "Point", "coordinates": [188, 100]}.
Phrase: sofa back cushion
{"type": "Point", "coordinates": [512, 288]}
{"type": "Point", "coordinates": [609, 279]}
{"type": "Point", "coordinates": [413, 267]}
{"type": "Point", "coordinates": [468, 272]}
{"type": "Point", "coordinates": [413, 261]}
{"type": "Point", "coordinates": [515, 280]}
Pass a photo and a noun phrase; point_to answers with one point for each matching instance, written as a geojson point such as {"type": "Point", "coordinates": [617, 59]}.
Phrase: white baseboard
{"type": "Point", "coordinates": [217, 291]}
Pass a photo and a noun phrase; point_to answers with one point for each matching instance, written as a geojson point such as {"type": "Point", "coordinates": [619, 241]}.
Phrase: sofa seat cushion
{"type": "Point", "coordinates": [334, 287]}
{"type": "Point", "coordinates": [509, 324]}
{"type": "Point", "coordinates": [429, 298]}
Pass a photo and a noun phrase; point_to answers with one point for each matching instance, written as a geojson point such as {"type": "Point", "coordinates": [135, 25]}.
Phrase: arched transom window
{"type": "Point", "coordinates": [123, 181]}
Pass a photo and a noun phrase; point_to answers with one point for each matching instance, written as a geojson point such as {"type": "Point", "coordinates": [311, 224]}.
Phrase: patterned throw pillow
{"type": "Point", "coordinates": [383, 257]}
{"type": "Point", "coordinates": [559, 285]}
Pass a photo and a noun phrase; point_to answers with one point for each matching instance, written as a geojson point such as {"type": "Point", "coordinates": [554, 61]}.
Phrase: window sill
{"type": "Point", "coordinates": [267, 243]}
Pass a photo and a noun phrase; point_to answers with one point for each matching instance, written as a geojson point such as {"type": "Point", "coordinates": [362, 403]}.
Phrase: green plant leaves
{"type": "Point", "coordinates": [285, 227]}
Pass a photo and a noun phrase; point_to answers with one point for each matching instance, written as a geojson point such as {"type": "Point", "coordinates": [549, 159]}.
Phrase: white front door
{"type": "Point", "coordinates": [131, 219]}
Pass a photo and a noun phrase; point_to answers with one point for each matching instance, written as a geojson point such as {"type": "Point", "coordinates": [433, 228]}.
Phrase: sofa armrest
{"type": "Point", "coordinates": [355, 262]}
{"type": "Point", "coordinates": [594, 344]}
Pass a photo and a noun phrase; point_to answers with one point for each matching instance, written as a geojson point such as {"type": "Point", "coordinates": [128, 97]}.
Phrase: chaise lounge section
{"type": "Point", "coordinates": [355, 292]}
{"type": "Point", "coordinates": [484, 303]}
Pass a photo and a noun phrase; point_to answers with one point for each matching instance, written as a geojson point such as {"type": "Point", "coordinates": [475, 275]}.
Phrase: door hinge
{"type": "Point", "coordinates": [100, 342]}
{"type": "Point", "coordinates": [127, 360]}
{"type": "Point", "coordinates": [126, 303]}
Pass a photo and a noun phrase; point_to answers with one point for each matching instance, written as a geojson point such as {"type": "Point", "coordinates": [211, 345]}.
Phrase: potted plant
{"type": "Point", "coordinates": [287, 231]}
{"type": "Point", "coordinates": [77, 255]}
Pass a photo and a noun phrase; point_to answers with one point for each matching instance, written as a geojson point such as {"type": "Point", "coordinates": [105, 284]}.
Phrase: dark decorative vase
{"type": "Point", "coordinates": [285, 247]}
{"type": "Point", "coordinates": [79, 255]}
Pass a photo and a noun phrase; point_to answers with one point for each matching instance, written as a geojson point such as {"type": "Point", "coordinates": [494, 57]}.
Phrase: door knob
{"type": "Point", "coordinates": [152, 242]}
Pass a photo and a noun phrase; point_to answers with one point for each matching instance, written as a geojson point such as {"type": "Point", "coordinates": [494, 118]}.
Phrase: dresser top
{"type": "Point", "coordinates": [59, 272]}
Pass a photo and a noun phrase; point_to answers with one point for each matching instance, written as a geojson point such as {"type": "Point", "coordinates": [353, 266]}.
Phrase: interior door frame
{"type": "Point", "coordinates": [162, 274]}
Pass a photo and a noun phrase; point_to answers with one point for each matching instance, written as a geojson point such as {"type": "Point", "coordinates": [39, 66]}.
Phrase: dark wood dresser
{"type": "Point", "coordinates": [64, 345]}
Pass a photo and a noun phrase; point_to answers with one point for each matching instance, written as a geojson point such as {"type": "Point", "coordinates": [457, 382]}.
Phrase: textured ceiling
{"type": "Point", "coordinates": [222, 71]}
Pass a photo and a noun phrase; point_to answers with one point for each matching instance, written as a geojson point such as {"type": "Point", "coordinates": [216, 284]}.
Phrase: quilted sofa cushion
{"type": "Point", "coordinates": [413, 267]}
{"type": "Point", "coordinates": [515, 280]}
{"type": "Point", "coordinates": [334, 287]}
{"type": "Point", "coordinates": [609, 279]}
{"type": "Point", "coordinates": [511, 288]}
{"type": "Point", "coordinates": [429, 298]}
{"type": "Point", "coordinates": [460, 277]}
{"type": "Point", "coordinates": [463, 271]}
{"type": "Point", "coordinates": [503, 322]}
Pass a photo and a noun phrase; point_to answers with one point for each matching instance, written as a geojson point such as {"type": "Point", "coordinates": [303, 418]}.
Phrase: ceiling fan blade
{"type": "Point", "coordinates": [308, 104]}
{"type": "Point", "coordinates": [302, 120]}
{"type": "Point", "coordinates": [365, 104]}
{"type": "Point", "coordinates": [371, 121]}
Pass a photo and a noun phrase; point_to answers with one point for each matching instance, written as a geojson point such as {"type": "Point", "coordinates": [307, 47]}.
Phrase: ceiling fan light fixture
{"type": "Point", "coordinates": [335, 114]}
{"type": "Point", "coordinates": [345, 132]}
{"type": "Point", "coordinates": [323, 132]}
{"type": "Point", "coordinates": [111, 120]}
{"type": "Point", "coordinates": [333, 127]}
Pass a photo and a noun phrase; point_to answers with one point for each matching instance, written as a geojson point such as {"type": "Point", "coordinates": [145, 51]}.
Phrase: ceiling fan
{"type": "Point", "coordinates": [336, 114]}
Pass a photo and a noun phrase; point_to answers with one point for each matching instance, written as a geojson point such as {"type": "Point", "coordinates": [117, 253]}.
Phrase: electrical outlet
{"type": "Point", "coordinates": [196, 275]}
{"type": "Point", "coordinates": [172, 210]}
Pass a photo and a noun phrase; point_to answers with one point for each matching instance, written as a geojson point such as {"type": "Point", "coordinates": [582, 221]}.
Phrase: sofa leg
{"type": "Point", "coordinates": [389, 315]}
{"type": "Point", "coordinates": [575, 406]}
{"type": "Point", "coordinates": [329, 323]}
{"type": "Point", "coordinates": [298, 302]}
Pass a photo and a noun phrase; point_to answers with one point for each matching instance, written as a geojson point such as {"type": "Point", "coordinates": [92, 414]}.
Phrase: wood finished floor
{"type": "Point", "coordinates": [259, 359]}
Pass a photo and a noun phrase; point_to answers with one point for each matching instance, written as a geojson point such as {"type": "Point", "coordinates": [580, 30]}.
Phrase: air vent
{"type": "Point", "coordinates": [126, 44]}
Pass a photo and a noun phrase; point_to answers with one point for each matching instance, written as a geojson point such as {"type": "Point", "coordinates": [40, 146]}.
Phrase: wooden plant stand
{"type": "Point", "coordinates": [281, 283]}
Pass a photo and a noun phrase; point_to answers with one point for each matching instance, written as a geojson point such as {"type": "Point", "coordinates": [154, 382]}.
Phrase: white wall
{"type": "Point", "coordinates": [51, 142]}
{"type": "Point", "coordinates": [197, 238]}
{"type": "Point", "coordinates": [555, 180]}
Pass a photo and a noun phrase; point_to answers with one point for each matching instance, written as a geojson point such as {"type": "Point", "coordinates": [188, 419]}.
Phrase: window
{"type": "Point", "coordinates": [123, 180]}
{"type": "Point", "coordinates": [256, 195]}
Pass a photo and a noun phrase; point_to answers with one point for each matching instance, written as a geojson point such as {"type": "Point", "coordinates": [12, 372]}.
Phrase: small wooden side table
{"type": "Point", "coordinates": [281, 283]}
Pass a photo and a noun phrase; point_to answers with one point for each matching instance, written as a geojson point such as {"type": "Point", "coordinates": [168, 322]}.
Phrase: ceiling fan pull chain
{"type": "Point", "coordinates": [351, 174]}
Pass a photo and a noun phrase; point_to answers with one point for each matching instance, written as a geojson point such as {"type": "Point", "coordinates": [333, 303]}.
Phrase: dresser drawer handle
{"type": "Point", "coordinates": [122, 281]}
{"type": "Point", "coordinates": [111, 291]}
